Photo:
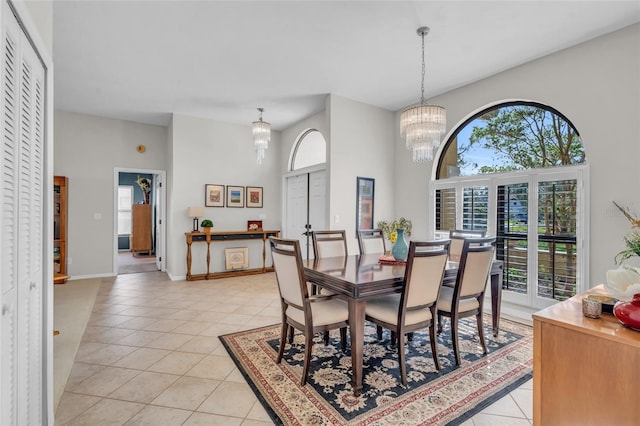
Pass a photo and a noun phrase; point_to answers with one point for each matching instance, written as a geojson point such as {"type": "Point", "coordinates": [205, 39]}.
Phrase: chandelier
{"type": "Point", "coordinates": [261, 136]}
{"type": "Point", "coordinates": [423, 126]}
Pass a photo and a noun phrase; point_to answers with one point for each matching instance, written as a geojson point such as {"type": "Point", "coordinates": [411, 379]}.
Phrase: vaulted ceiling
{"type": "Point", "coordinates": [143, 60]}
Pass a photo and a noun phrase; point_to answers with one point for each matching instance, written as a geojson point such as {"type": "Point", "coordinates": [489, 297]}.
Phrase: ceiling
{"type": "Point", "coordinates": [144, 60]}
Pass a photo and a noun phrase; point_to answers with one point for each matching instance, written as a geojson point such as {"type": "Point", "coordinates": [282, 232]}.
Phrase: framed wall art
{"type": "Point", "coordinates": [235, 196]}
{"type": "Point", "coordinates": [254, 196]}
{"type": "Point", "coordinates": [364, 203]}
{"type": "Point", "coordinates": [236, 258]}
{"type": "Point", "coordinates": [214, 195]}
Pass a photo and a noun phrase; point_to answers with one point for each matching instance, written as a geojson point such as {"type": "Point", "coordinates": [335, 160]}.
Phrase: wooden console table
{"type": "Point", "coordinates": [208, 238]}
{"type": "Point", "coordinates": [585, 370]}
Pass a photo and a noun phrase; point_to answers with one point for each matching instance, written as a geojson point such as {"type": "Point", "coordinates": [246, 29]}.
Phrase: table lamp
{"type": "Point", "coordinates": [195, 213]}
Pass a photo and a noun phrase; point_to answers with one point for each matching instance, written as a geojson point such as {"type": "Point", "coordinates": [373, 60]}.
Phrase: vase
{"type": "Point", "coordinates": [400, 249]}
{"type": "Point", "coordinates": [628, 313]}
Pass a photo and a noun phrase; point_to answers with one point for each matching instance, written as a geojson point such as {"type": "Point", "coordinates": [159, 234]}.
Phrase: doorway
{"type": "Point", "coordinates": [139, 219]}
{"type": "Point", "coordinates": [306, 207]}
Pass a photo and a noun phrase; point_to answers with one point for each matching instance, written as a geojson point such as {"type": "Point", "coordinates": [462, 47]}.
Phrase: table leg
{"type": "Point", "coordinates": [496, 300]}
{"type": "Point", "coordinates": [356, 330]}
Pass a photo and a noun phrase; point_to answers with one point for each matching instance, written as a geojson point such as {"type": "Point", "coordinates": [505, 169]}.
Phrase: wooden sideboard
{"type": "Point", "coordinates": [585, 371]}
{"type": "Point", "coordinates": [210, 237]}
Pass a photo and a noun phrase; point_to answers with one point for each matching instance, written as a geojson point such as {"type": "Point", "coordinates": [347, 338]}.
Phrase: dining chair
{"type": "Point", "coordinates": [466, 297]}
{"type": "Point", "coordinates": [414, 308]}
{"type": "Point", "coordinates": [371, 241]}
{"type": "Point", "coordinates": [308, 313]}
{"type": "Point", "coordinates": [457, 237]}
{"type": "Point", "coordinates": [329, 243]}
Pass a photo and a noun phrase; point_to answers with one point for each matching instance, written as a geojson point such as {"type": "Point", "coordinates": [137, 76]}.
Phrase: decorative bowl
{"type": "Point", "coordinates": [628, 313]}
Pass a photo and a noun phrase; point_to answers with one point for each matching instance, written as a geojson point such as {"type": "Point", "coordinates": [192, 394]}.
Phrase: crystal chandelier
{"type": "Point", "coordinates": [423, 126]}
{"type": "Point", "coordinates": [261, 136]}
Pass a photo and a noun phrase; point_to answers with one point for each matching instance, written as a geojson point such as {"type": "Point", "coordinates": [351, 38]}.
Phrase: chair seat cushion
{"type": "Point", "coordinates": [446, 295]}
{"type": "Point", "coordinates": [326, 312]}
{"type": "Point", "coordinates": [386, 309]}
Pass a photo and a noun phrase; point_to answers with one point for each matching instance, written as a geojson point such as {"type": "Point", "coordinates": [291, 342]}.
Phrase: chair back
{"type": "Point", "coordinates": [426, 263]}
{"type": "Point", "coordinates": [287, 262]}
{"type": "Point", "coordinates": [457, 237]}
{"type": "Point", "coordinates": [475, 265]}
{"type": "Point", "coordinates": [329, 243]}
{"type": "Point", "coordinates": [371, 241]}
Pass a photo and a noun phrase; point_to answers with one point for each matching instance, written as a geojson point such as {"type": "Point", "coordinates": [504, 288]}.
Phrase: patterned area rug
{"type": "Point", "coordinates": [448, 397]}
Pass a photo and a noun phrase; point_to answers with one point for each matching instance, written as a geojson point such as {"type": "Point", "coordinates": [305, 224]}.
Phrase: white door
{"type": "Point", "coordinates": [306, 208]}
{"type": "Point", "coordinates": [22, 351]}
{"type": "Point", "coordinates": [159, 222]}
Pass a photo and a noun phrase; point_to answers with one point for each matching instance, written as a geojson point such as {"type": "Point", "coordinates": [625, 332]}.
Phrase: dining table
{"type": "Point", "coordinates": [356, 278]}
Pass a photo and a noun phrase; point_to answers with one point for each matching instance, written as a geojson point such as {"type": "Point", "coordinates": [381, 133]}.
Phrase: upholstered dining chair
{"type": "Point", "coordinates": [329, 243]}
{"type": "Point", "coordinates": [371, 241]}
{"type": "Point", "coordinates": [308, 313]}
{"type": "Point", "coordinates": [457, 237]}
{"type": "Point", "coordinates": [466, 297]}
{"type": "Point", "coordinates": [415, 307]}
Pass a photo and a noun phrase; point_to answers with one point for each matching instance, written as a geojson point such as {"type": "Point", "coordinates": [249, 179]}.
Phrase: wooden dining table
{"type": "Point", "coordinates": [357, 278]}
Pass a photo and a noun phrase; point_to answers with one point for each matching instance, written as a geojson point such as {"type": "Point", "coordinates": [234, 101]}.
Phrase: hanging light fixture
{"type": "Point", "coordinates": [423, 126]}
{"type": "Point", "coordinates": [261, 136]}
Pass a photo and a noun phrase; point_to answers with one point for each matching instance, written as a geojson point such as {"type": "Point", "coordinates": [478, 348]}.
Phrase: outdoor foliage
{"type": "Point", "coordinates": [524, 137]}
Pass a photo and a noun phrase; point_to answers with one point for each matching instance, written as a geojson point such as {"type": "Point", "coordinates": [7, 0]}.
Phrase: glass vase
{"type": "Point", "coordinates": [400, 249]}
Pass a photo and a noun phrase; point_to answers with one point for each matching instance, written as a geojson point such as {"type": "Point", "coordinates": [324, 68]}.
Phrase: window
{"type": "Point", "coordinates": [517, 171]}
{"type": "Point", "coordinates": [125, 199]}
{"type": "Point", "coordinates": [311, 149]}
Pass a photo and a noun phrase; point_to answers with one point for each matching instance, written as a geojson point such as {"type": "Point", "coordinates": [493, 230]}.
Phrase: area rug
{"type": "Point", "coordinates": [446, 397]}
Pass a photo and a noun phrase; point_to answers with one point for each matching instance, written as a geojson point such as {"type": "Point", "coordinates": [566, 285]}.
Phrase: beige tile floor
{"type": "Point", "coordinates": [150, 354]}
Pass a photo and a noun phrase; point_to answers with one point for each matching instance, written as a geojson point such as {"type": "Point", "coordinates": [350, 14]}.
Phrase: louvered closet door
{"type": "Point", "coordinates": [21, 227]}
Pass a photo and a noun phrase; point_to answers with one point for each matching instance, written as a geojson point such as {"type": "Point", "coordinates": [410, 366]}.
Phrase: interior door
{"type": "Point", "coordinates": [159, 221]}
{"type": "Point", "coordinates": [306, 208]}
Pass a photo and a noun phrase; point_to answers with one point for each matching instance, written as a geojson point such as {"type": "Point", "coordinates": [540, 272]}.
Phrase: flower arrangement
{"type": "Point", "coordinates": [390, 228]}
{"type": "Point", "coordinates": [623, 282]}
{"type": "Point", "coordinates": [145, 185]}
{"type": "Point", "coordinates": [632, 240]}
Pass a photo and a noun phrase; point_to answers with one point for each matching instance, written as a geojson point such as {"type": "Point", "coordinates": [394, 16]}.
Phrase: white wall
{"type": "Point", "coordinates": [597, 86]}
{"type": "Point", "coordinates": [87, 150]}
{"type": "Point", "coordinates": [360, 143]}
{"type": "Point", "coordinates": [210, 152]}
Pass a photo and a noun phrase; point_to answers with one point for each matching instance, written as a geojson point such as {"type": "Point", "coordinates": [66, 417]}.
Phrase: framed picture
{"type": "Point", "coordinates": [254, 225]}
{"type": "Point", "coordinates": [236, 258]}
{"type": "Point", "coordinates": [213, 195]}
{"type": "Point", "coordinates": [235, 196]}
{"type": "Point", "coordinates": [254, 196]}
{"type": "Point", "coordinates": [365, 192]}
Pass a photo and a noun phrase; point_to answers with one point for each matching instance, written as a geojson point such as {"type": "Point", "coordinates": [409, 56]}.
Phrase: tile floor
{"type": "Point", "coordinates": [150, 355]}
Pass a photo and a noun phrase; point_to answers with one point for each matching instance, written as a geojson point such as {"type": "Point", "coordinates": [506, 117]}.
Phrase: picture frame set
{"type": "Point", "coordinates": [233, 196]}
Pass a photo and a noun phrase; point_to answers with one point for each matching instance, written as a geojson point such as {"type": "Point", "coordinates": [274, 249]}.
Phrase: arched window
{"type": "Point", "coordinates": [517, 170]}
{"type": "Point", "coordinates": [311, 149]}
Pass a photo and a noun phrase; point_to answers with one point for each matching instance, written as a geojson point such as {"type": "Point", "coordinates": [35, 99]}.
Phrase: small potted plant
{"type": "Point", "coordinates": [207, 225]}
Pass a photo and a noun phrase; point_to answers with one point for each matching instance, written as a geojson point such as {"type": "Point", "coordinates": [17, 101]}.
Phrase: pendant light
{"type": "Point", "coordinates": [423, 126]}
{"type": "Point", "coordinates": [261, 136]}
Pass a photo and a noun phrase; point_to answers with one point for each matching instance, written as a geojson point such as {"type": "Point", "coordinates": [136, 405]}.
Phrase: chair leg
{"type": "Point", "coordinates": [403, 373]}
{"type": "Point", "coordinates": [308, 346]}
{"type": "Point", "coordinates": [481, 332]}
{"type": "Point", "coordinates": [291, 333]}
{"type": "Point", "coordinates": [410, 337]}
{"type": "Point", "coordinates": [394, 337]}
{"type": "Point", "coordinates": [283, 339]}
{"type": "Point", "coordinates": [343, 338]}
{"type": "Point", "coordinates": [434, 345]}
{"type": "Point", "coordinates": [379, 331]}
{"type": "Point", "coordinates": [454, 338]}
{"type": "Point", "coordinates": [326, 338]}
{"type": "Point", "coordinates": [439, 323]}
